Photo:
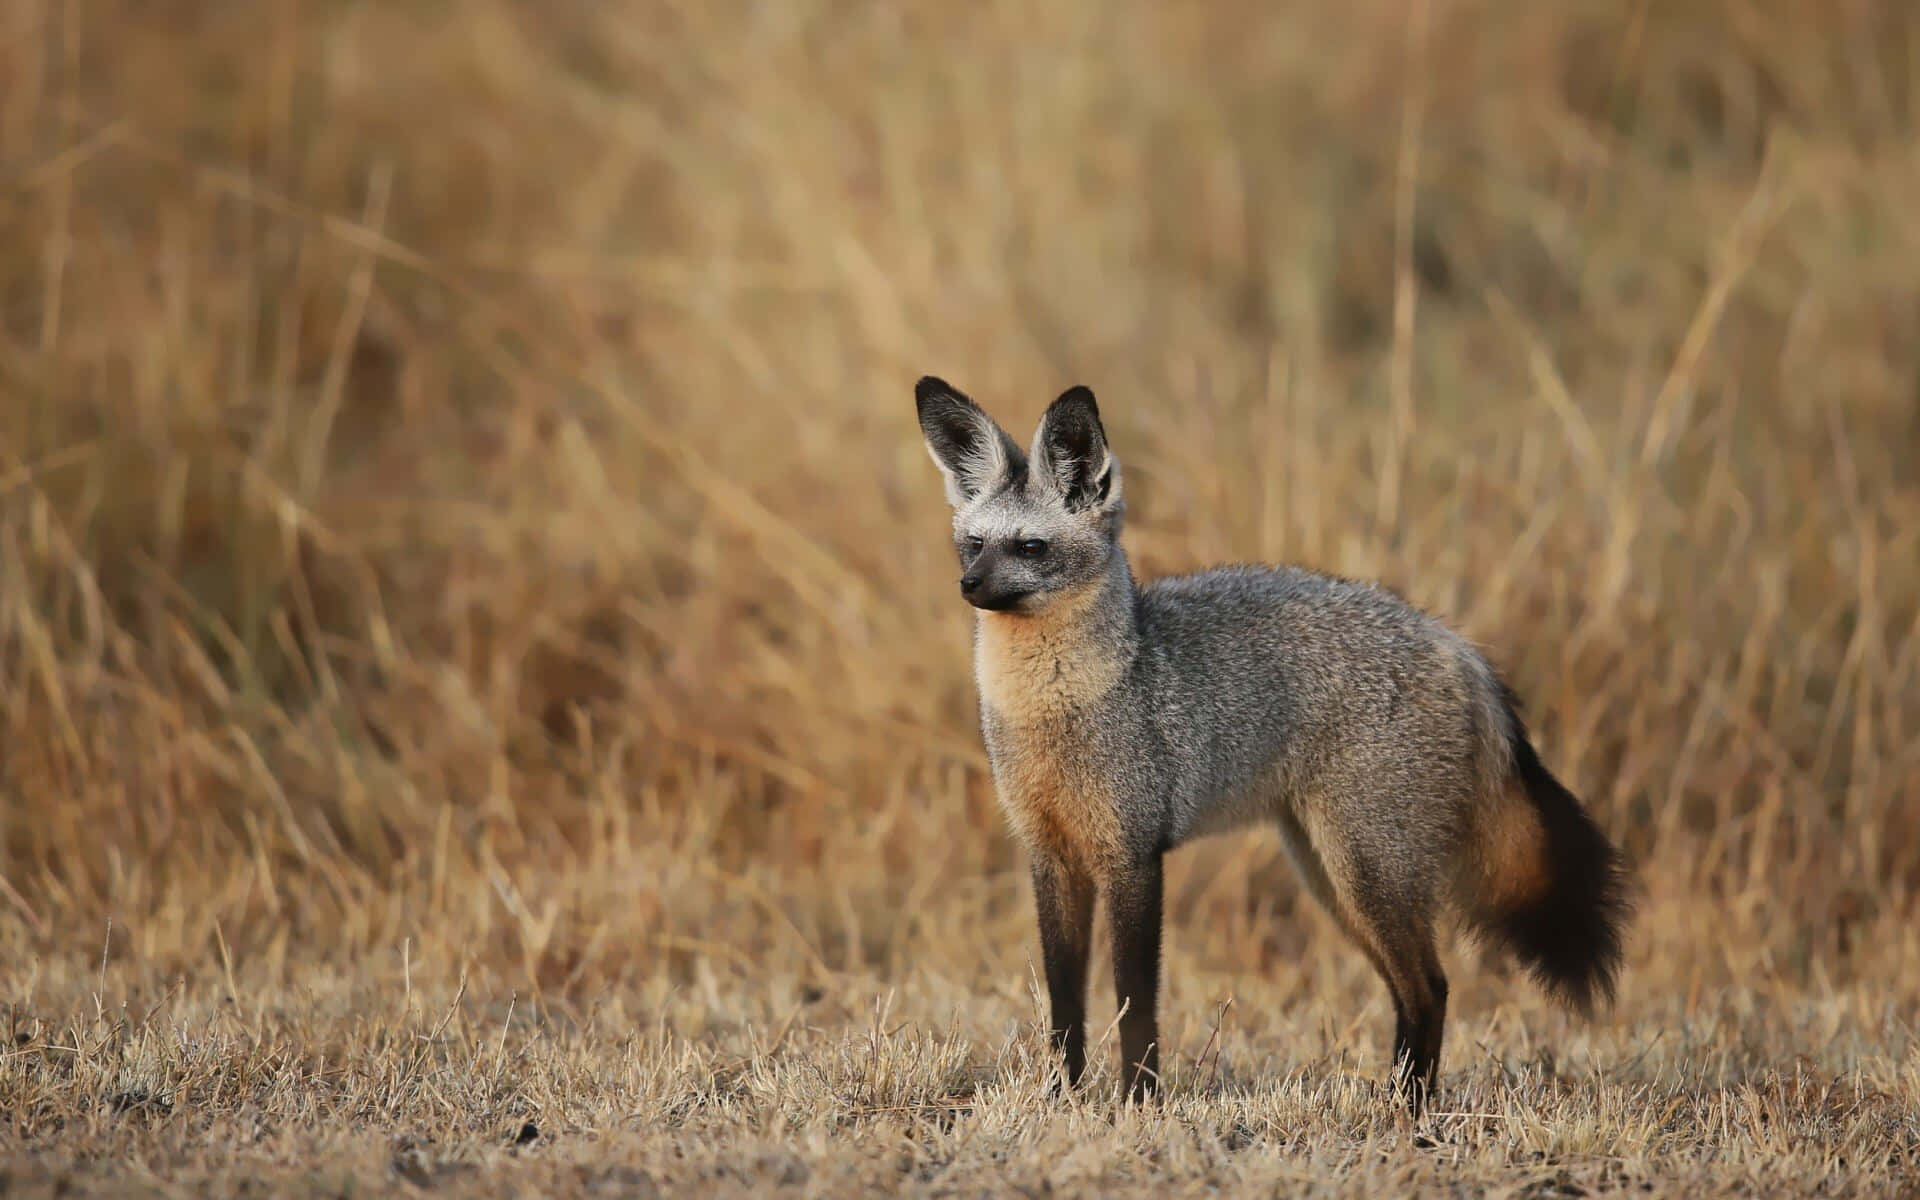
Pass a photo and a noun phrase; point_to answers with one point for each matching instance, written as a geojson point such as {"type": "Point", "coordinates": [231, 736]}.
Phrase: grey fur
{"type": "Point", "coordinates": [1124, 720]}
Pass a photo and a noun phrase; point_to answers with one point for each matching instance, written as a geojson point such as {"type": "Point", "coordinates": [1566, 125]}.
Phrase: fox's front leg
{"type": "Point", "coordinates": [1134, 906]}
{"type": "Point", "coordinates": [1064, 897]}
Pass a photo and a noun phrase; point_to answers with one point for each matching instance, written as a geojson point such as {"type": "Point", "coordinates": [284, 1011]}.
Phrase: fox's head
{"type": "Point", "coordinates": [1033, 527]}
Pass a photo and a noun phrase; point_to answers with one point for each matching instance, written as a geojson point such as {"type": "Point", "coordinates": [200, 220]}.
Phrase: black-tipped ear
{"type": "Point", "coordinates": [971, 451]}
{"type": "Point", "coordinates": [1070, 451]}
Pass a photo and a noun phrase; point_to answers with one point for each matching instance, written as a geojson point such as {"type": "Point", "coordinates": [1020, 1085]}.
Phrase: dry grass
{"type": "Point", "coordinates": [461, 520]}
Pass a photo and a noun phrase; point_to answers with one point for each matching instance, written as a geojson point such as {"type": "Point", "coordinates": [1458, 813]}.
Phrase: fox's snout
{"type": "Point", "coordinates": [986, 588]}
{"type": "Point", "coordinates": [981, 592]}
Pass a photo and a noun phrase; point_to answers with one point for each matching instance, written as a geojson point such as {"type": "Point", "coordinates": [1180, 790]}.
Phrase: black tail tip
{"type": "Point", "coordinates": [1572, 935]}
{"type": "Point", "coordinates": [1572, 939]}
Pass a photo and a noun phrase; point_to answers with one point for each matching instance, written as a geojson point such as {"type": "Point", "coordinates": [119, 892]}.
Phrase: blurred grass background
{"type": "Point", "coordinates": [458, 480]}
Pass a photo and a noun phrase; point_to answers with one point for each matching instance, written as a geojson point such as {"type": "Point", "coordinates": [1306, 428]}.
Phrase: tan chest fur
{"type": "Point", "coordinates": [1045, 667]}
{"type": "Point", "coordinates": [1037, 680]}
{"type": "Point", "coordinates": [1058, 811]}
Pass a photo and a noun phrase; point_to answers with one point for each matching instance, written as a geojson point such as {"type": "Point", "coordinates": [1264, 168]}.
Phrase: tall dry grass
{"type": "Point", "coordinates": [459, 500]}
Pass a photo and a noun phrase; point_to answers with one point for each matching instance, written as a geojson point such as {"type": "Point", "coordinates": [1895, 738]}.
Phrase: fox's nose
{"type": "Point", "coordinates": [969, 584]}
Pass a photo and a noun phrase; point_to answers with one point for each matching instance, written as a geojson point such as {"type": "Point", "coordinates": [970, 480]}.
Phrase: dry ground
{"type": "Point", "coordinates": [483, 706]}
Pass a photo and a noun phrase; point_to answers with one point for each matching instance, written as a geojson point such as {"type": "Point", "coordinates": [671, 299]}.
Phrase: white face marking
{"type": "Point", "coordinates": [1004, 516]}
{"type": "Point", "coordinates": [990, 523]}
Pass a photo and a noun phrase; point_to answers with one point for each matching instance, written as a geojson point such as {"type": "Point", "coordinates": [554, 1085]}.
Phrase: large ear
{"type": "Point", "coordinates": [970, 450]}
{"type": "Point", "coordinates": [1070, 452]}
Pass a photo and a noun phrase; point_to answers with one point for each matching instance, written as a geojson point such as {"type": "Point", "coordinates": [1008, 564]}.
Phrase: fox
{"type": "Point", "coordinates": [1123, 720]}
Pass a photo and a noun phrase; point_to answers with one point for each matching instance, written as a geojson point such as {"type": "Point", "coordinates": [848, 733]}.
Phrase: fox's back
{"type": "Point", "coordinates": [1261, 625]}
{"type": "Point", "coordinates": [1264, 681]}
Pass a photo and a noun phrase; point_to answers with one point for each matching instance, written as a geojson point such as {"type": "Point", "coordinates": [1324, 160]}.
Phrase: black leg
{"type": "Point", "coordinates": [1417, 1031]}
{"type": "Point", "coordinates": [1406, 1040]}
{"type": "Point", "coordinates": [1064, 898]}
{"type": "Point", "coordinates": [1431, 1031]}
{"type": "Point", "coordinates": [1135, 905]}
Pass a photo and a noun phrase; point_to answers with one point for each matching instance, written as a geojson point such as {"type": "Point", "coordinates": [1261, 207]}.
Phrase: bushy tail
{"type": "Point", "coordinates": [1567, 930]}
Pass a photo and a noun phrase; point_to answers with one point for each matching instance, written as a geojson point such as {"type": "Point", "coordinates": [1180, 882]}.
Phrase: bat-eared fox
{"type": "Point", "coordinates": [1123, 720]}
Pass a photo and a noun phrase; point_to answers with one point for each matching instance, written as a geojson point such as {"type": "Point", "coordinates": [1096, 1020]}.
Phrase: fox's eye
{"type": "Point", "coordinates": [1032, 548]}
{"type": "Point", "coordinates": [974, 544]}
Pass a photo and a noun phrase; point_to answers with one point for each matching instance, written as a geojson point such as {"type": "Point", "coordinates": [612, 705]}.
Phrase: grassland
{"type": "Point", "coordinates": [483, 706]}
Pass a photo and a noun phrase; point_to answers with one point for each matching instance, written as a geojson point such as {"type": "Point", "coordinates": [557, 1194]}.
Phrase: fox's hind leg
{"type": "Point", "coordinates": [1420, 1018]}
{"type": "Point", "coordinates": [1401, 946]}
{"type": "Point", "coordinates": [1389, 914]}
